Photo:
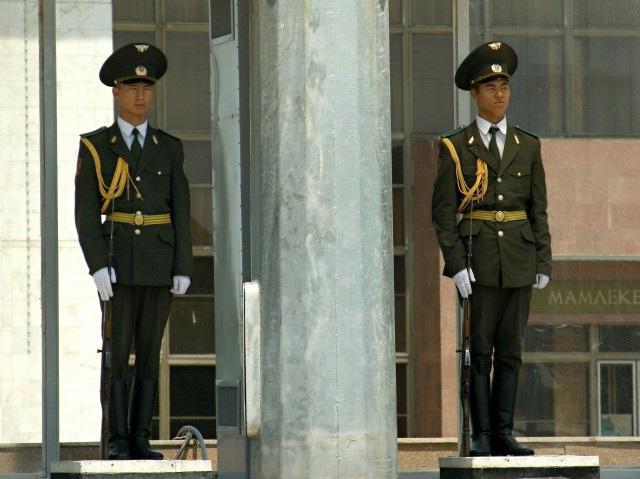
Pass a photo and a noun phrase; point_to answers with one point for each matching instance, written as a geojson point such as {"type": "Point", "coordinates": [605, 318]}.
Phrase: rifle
{"type": "Point", "coordinates": [105, 363]}
{"type": "Point", "coordinates": [464, 439]}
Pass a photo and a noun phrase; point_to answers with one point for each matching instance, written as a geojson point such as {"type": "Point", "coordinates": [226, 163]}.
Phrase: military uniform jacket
{"type": "Point", "coordinates": [514, 251]}
{"type": "Point", "coordinates": [143, 255]}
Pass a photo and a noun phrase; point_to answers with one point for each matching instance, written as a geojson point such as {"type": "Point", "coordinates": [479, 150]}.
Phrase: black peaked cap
{"type": "Point", "coordinates": [132, 63]}
{"type": "Point", "coordinates": [490, 60]}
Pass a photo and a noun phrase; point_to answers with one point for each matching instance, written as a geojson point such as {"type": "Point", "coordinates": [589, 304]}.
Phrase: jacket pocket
{"type": "Point", "coordinates": [167, 235]}
{"type": "Point", "coordinates": [527, 233]}
{"type": "Point", "coordinates": [468, 228]}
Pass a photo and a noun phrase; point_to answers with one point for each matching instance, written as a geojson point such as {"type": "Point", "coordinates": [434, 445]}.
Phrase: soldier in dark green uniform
{"type": "Point", "coordinates": [133, 173]}
{"type": "Point", "coordinates": [490, 197]}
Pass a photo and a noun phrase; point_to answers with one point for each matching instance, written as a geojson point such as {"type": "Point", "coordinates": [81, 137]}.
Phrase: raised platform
{"type": "Point", "coordinates": [132, 469]}
{"type": "Point", "coordinates": [512, 467]}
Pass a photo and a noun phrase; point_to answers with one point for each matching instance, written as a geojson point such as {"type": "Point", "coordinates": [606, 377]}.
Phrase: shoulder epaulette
{"type": "Point", "coordinates": [527, 132]}
{"type": "Point", "coordinates": [94, 132]}
{"type": "Point", "coordinates": [452, 132]}
{"type": "Point", "coordinates": [168, 134]}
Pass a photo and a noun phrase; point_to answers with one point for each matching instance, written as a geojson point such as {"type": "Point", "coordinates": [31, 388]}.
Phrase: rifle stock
{"type": "Point", "coordinates": [464, 445]}
{"type": "Point", "coordinates": [105, 378]}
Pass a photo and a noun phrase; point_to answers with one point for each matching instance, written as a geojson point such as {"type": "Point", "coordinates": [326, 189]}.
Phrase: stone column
{"type": "Point", "coordinates": [321, 238]}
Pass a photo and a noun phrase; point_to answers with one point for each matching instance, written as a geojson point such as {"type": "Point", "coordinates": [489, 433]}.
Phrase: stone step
{"type": "Point", "coordinates": [169, 469]}
{"type": "Point", "coordinates": [526, 467]}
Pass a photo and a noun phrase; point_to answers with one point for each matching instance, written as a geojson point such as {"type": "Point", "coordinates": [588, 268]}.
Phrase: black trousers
{"type": "Point", "coordinates": [498, 320]}
{"type": "Point", "coordinates": [139, 315]}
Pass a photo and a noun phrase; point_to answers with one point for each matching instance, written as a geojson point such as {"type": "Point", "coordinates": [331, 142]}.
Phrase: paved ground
{"type": "Point", "coordinates": [605, 473]}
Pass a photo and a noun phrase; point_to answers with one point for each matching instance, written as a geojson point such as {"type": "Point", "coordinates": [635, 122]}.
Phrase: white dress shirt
{"type": "Point", "coordinates": [501, 135]}
{"type": "Point", "coordinates": [126, 129]}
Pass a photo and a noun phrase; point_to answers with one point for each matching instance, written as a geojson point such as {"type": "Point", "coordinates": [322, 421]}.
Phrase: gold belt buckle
{"type": "Point", "coordinates": [499, 216]}
{"type": "Point", "coordinates": [138, 219]}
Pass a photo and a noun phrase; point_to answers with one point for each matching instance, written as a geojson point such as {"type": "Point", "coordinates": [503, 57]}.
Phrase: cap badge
{"type": "Point", "coordinates": [142, 48]}
{"type": "Point", "coordinates": [496, 68]}
{"type": "Point", "coordinates": [495, 45]}
{"type": "Point", "coordinates": [141, 71]}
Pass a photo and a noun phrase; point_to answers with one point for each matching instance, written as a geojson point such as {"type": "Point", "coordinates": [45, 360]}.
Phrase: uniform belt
{"type": "Point", "coordinates": [496, 216]}
{"type": "Point", "coordinates": [139, 219]}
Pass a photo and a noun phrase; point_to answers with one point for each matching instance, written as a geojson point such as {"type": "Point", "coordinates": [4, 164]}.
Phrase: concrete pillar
{"type": "Point", "coordinates": [321, 238]}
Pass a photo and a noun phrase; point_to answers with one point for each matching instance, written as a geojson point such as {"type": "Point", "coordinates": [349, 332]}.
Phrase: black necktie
{"type": "Point", "coordinates": [493, 144]}
{"type": "Point", "coordinates": [136, 149]}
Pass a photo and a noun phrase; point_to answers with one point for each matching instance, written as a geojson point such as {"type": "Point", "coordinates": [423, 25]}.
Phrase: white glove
{"type": "Point", "coordinates": [463, 280]}
{"type": "Point", "coordinates": [101, 278]}
{"type": "Point", "coordinates": [180, 284]}
{"type": "Point", "coordinates": [541, 281]}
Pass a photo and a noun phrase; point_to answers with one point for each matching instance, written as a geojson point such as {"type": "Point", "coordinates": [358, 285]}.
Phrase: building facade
{"type": "Point", "coordinates": [576, 87]}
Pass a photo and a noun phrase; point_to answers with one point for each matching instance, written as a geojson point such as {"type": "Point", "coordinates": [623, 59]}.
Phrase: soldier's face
{"type": "Point", "coordinates": [492, 99]}
{"type": "Point", "coordinates": [134, 100]}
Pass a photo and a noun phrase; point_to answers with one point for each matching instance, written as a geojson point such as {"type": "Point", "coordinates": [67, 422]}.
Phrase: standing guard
{"type": "Point", "coordinates": [133, 174]}
{"type": "Point", "coordinates": [490, 192]}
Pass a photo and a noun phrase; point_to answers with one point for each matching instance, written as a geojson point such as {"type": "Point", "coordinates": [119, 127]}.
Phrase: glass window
{"type": "Point", "coordinates": [432, 87]}
{"type": "Point", "coordinates": [605, 79]}
{"type": "Point", "coordinates": [617, 399]}
{"type": "Point", "coordinates": [191, 326]}
{"type": "Point", "coordinates": [605, 13]}
{"type": "Point", "coordinates": [192, 399]}
{"type": "Point", "coordinates": [396, 60]}
{"type": "Point", "coordinates": [187, 104]}
{"type": "Point", "coordinates": [401, 323]}
{"type": "Point", "coordinates": [395, 12]}
{"type": "Point", "coordinates": [398, 274]}
{"type": "Point", "coordinates": [397, 162]}
{"type": "Point", "coordinates": [558, 338]}
{"type": "Point", "coordinates": [186, 10]}
{"type": "Point", "coordinates": [432, 12]}
{"type": "Point", "coordinates": [537, 89]}
{"type": "Point", "coordinates": [401, 391]}
{"type": "Point", "coordinates": [201, 215]}
{"type": "Point", "coordinates": [398, 216]}
{"type": "Point", "coordinates": [197, 161]}
{"type": "Point", "coordinates": [539, 13]}
{"type": "Point", "coordinates": [134, 10]}
{"type": "Point", "coordinates": [202, 279]}
{"type": "Point", "coordinates": [553, 400]}
{"type": "Point", "coordinates": [619, 338]}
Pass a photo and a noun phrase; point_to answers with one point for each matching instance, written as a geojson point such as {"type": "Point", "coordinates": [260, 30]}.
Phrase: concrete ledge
{"type": "Point", "coordinates": [522, 461]}
{"type": "Point", "coordinates": [132, 470]}
{"type": "Point", "coordinates": [140, 467]}
{"type": "Point", "coordinates": [512, 467]}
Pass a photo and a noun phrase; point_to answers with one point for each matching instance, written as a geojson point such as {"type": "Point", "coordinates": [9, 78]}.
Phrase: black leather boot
{"type": "Point", "coordinates": [118, 433]}
{"type": "Point", "coordinates": [480, 401]}
{"type": "Point", "coordinates": [503, 399]}
{"type": "Point", "coordinates": [143, 396]}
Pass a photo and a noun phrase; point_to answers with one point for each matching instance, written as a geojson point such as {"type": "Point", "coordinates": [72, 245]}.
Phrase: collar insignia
{"type": "Point", "coordinates": [155, 140]}
{"type": "Point", "coordinates": [113, 140]}
{"type": "Point", "coordinates": [470, 142]}
{"type": "Point", "coordinates": [515, 137]}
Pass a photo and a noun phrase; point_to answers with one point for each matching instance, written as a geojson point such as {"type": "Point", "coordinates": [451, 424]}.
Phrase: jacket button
{"type": "Point", "coordinates": [500, 197]}
{"type": "Point", "coordinates": [137, 178]}
{"type": "Point", "coordinates": [137, 231]}
{"type": "Point", "coordinates": [499, 179]}
{"type": "Point", "coordinates": [138, 195]}
{"type": "Point", "coordinates": [500, 233]}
